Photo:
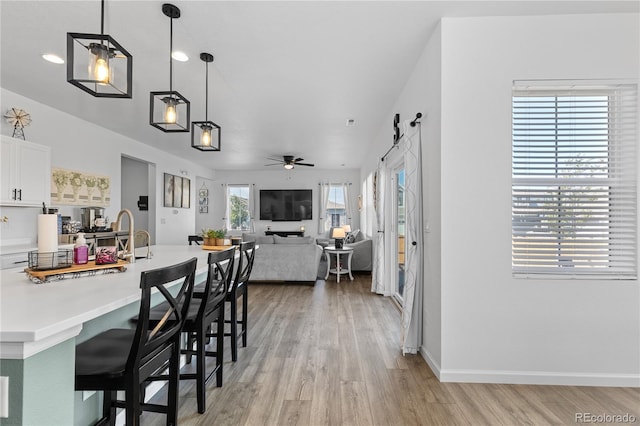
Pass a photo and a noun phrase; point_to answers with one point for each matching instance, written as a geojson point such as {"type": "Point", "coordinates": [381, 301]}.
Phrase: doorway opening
{"type": "Point", "coordinates": [137, 193]}
{"type": "Point", "coordinates": [399, 234]}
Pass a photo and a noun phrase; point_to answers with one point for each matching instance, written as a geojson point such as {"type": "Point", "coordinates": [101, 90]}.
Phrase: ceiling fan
{"type": "Point", "coordinates": [289, 162]}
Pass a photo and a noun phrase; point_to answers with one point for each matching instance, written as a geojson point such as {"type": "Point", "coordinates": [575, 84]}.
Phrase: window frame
{"type": "Point", "coordinates": [228, 195]}
{"type": "Point", "coordinates": [592, 195]}
{"type": "Point", "coordinates": [343, 219]}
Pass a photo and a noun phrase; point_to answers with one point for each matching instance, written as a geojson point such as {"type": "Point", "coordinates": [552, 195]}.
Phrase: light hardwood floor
{"type": "Point", "coordinates": [329, 355]}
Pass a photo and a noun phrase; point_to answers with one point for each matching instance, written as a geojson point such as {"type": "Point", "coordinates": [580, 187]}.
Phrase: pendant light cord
{"type": "Point", "coordinates": [102, 18]}
{"type": "Point", "coordinates": [170, 57]}
{"type": "Point", "coordinates": [206, 93]}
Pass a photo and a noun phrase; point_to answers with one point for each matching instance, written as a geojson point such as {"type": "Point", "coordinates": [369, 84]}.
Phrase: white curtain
{"type": "Point", "coordinates": [225, 197]}
{"type": "Point", "coordinates": [323, 194]}
{"type": "Point", "coordinates": [368, 214]}
{"type": "Point", "coordinates": [378, 282]}
{"type": "Point", "coordinates": [253, 201]}
{"type": "Point", "coordinates": [413, 284]}
{"type": "Point", "coordinates": [347, 202]}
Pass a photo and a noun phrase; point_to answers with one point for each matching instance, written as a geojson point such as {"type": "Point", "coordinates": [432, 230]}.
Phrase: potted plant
{"type": "Point", "coordinates": [219, 235]}
{"type": "Point", "coordinates": [209, 237]}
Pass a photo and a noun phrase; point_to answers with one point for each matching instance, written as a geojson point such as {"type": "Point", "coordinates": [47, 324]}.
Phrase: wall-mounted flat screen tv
{"type": "Point", "coordinates": [285, 204]}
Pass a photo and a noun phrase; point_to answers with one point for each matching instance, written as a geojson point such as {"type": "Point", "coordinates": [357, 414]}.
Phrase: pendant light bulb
{"type": "Point", "coordinates": [99, 63]}
{"type": "Point", "coordinates": [205, 138]}
{"type": "Point", "coordinates": [170, 114]}
{"type": "Point", "coordinates": [170, 111]}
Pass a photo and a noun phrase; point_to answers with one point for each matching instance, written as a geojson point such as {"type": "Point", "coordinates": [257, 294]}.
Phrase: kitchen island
{"type": "Point", "coordinates": [40, 325]}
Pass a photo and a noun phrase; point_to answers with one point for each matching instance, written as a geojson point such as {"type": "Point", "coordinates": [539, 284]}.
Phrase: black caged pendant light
{"type": "Point", "coordinates": [205, 135]}
{"type": "Point", "coordinates": [168, 110]}
{"type": "Point", "coordinates": [107, 70]}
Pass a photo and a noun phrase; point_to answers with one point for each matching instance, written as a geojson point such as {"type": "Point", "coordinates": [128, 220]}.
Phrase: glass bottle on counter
{"type": "Point", "coordinates": [80, 250]}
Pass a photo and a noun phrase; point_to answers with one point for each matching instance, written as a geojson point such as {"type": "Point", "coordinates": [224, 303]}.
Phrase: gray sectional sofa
{"type": "Point", "coordinates": [284, 259]}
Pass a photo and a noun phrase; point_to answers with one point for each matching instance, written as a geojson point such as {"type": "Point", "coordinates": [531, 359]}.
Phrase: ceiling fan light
{"type": "Point", "coordinates": [288, 166]}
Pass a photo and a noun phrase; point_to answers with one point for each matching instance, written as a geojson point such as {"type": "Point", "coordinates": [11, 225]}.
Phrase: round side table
{"type": "Point", "coordinates": [339, 268]}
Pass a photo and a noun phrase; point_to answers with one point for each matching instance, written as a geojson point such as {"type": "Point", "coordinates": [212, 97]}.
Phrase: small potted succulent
{"type": "Point", "coordinates": [209, 237]}
{"type": "Point", "coordinates": [219, 235]}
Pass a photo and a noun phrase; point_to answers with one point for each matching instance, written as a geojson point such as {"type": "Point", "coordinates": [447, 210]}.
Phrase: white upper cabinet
{"type": "Point", "coordinates": [25, 173]}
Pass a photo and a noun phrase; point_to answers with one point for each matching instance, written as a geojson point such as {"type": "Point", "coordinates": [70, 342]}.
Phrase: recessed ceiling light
{"type": "Point", "coordinates": [351, 122]}
{"type": "Point", "coordinates": [53, 58]}
{"type": "Point", "coordinates": [180, 56]}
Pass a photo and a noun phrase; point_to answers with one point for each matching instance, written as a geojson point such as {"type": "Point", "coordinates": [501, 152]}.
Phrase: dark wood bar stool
{"type": "Point", "coordinates": [122, 359]}
{"type": "Point", "coordinates": [207, 308]}
{"type": "Point", "coordinates": [239, 287]}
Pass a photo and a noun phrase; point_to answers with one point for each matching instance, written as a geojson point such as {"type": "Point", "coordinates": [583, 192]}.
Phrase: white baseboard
{"type": "Point", "coordinates": [435, 367]}
{"type": "Point", "coordinates": [529, 377]}
{"type": "Point", "coordinates": [539, 378]}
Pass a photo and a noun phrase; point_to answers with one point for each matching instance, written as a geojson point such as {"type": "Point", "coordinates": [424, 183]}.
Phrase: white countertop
{"type": "Point", "coordinates": [34, 317]}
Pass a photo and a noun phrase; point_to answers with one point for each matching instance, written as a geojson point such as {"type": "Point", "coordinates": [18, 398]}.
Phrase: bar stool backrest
{"type": "Point", "coordinates": [149, 341]}
{"type": "Point", "coordinates": [220, 265]}
{"type": "Point", "coordinates": [245, 263]}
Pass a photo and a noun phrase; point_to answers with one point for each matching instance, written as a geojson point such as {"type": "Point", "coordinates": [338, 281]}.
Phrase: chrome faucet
{"type": "Point", "coordinates": [129, 247]}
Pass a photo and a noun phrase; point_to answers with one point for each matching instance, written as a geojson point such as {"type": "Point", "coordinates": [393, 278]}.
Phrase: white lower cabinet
{"type": "Point", "coordinates": [25, 176]}
{"type": "Point", "coordinates": [14, 260]}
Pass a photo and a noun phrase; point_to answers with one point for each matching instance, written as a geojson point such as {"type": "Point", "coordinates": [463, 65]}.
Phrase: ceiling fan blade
{"type": "Point", "coordinates": [298, 159]}
{"type": "Point", "coordinates": [273, 164]}
{"type": "Point", "coordinates": [305, 164]}
{"type": "Point", "coordinates": [275, 159]}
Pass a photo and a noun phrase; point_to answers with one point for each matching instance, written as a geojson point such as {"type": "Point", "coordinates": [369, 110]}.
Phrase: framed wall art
{"type": "Point", "coordinates": [177, 191]}
{"type": "Point", "coordinates": [74, 188]}
{"type": "Point", "coordinates": [203, 200]}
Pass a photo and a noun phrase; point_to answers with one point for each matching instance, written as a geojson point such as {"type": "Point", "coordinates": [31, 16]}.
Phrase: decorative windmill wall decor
{"type": "Point", "coordinates": [19, 119]}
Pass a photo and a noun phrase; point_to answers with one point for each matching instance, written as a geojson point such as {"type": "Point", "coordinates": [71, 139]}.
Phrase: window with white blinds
{"type": "Point", "coordinates": [574, 180]}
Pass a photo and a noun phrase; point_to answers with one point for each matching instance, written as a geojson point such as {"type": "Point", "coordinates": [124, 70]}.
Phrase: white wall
{"type": "Point", "coordinates": [278, 178]}
{"type": "Point", "coordinates": [479, 323]}
{"type": "Point", "coordinates": [494, 327]}
{"type": "Point", "coordinates": [80, 145]}
{"type": "Point", "coordinates": [207, 220]}
{"type": "Point", "coordinates": [422, 94]}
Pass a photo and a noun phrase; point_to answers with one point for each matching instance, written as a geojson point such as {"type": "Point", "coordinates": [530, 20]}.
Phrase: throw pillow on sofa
{"type": "Point", "coordinates": [354, 236]}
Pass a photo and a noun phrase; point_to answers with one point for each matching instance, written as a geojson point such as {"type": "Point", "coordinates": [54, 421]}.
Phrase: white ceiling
{"type": "Point", "coordinates": [286, 77]}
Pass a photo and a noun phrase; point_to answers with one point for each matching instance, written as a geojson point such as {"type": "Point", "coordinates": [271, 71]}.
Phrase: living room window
{"type": "Point", "coordinates": [336, 207]}
{"type": "Point", "coordinates": [574, 179]}
{"type": "Point", "coordinates": [238, 217]}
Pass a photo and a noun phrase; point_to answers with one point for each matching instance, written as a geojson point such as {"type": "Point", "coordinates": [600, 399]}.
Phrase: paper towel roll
{"type": "Point", "coordinates": [47, 233]}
